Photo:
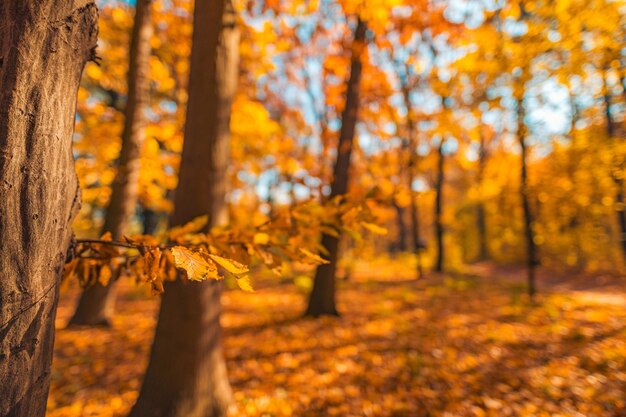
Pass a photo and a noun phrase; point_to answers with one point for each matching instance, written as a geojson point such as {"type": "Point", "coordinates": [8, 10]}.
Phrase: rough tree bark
{"type": "Point", "coordinates": [322, 299]}
{"type": "Point", "coordinates": [44, 45]}
{"type": "Point", "coordinates": [531, 248]}
{"type": "Point", "coordinates": [97, 302]}
{"type": "Point", "coordinates": [186, 375]}
{"type": "Point", "coordinates": [439, 207]}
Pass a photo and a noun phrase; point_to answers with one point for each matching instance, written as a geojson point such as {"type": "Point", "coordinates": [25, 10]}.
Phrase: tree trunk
{"type": "Point", "coordinates": [400, 244]}
{"type": "Point", "coordinates": [97, 302]}
{"type": "Point", "coordinates": [412, 172]}
{"type": "Point", "coordinates": [186, 375]}
{"type": "Point", "coordinates": [44, 45]}
{"type": "Point", "coordinates": [417, 241]}
{"type": "Point", "coordinates": [531, 248]}
{"type": "Point", "coordinates": [481, 215]}
{"type": "Point", "coordinates": [572, 165]}
{"type": "Point", "coordinates": [322, 298]}
{"type": "Point", "coordinates": [619, 181]}
{"type": "Point", "coordinates": [150, 221]}
{"type": "Point", "coordinates": [439, 207]}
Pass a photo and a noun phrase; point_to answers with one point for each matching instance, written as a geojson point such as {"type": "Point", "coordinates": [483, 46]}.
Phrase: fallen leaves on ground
{"type": "Point", "coordinates": [444, 346]}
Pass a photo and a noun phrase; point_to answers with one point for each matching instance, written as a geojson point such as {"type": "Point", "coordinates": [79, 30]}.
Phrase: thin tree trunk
{"type": "Point", "coordinates": [97, 302]}
{"type": "Point", "coordinates": [417, 241]}
{"type": "Point", "coordinates": [412, 172]}
{"type": "Point", "coordinates": [619, 181]}
{"type": "Point", "coordinates": [572, 165]}
{"type": "Point", "coordinates": [44, 45]}
{"type": "Point", "coordinates": [481, 216]}
{"type": "Point", "coordinates": [186, 375]}
{"type": "Point", "coordinates": [531, 248]}
{"type": "Point", "coordinates": [270, 199]}
{"type": "Point", "coordinates": [322, 298]}
{"type": "Point", "coordinates": [481, 220]}
{"type": "Point", "coordinates": [150, 221]}
{"type": "Point", "coordinates": [400, 245]}
{"type": "Point", "coordinates": [439, 232]}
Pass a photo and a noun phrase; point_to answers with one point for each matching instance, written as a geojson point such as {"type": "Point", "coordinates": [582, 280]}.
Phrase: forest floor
{"type": "Point", "coordinates": [467, 344]}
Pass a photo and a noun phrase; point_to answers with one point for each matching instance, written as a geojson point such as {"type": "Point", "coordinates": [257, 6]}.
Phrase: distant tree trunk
{"type": "Point", "coordinates": [620, 184]}
{"type": "Point", "coordinates": [97, 302]}
{"type": "Point", "coordinates": [150, 221]}
{"type": "Point", "coordinates": [572, 166]}
{"type": "Point", "coordinates": [439, 207]}
{"type": "Point", "coordinates": [125, 186]}
{"type": "Point", "coordinates": [619, 181]}
{"type": "Point", "coordinates": [400, 245]}
{"type": "Point", "coordinates": [622, 82]}
{"type": "Point", "coordinates": [271, 209]}
{"type": "Point", "coordinates": [531, 248]}
{"type": "Point", "coordinates": [606, 96]}
{"type": "Point", "coordinates": [412, 172]}
{"type": "Point", "coordinates": [44, 45]}
{"type": "Point", "coordinates": [322, 298]}
{"type": "Point", "coordinates": [417, 241]}
{"type": "Point", "coordinates": [481, 216]}
{"type": "Point", "coordinates": [186, 375]}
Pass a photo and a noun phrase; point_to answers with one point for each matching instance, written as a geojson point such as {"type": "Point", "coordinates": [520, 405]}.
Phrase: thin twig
{"type": "Point", "coordinates": [110, 242]}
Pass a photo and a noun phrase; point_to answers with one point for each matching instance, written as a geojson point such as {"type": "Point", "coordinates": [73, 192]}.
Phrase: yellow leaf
{"type": "Point", "coordinates": [194, 226]}
{"type": "Point", "coordinates": [94, 72]}
{"type": "Point", "coordinates": [244, 283]}
{"type": "Point", "coordinates": [151, 261]}
{"type": "Point", "coordinates": [374, 228]}
{"type": "Point", "coordinates": [120, 16]}
{"type": "Point", "coordinates": [197, 267]}
{"type": "Point", "coordinates": [70, 269]}
{"type": "Point", "coordinates": [230, 265]}
{"type": "Point", "coordinates": [329, 231]}
{"type": "Point", "coordinates": [105, 275]}
{"type": "Point", "coordinates": [403, 198]}
{"type": "Point", "coordinates": [261, 238]}
{"type": "Point", "coordinates": [105, 249]}
{"type": "Point", "coordinates": [313, 257]}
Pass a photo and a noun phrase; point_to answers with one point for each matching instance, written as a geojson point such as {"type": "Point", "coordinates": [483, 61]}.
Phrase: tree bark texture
{"type": "Point", "coordinates": [97, 302]}
{"type": "Point", "coordinates": [322, 299]}
{"type": "Point", "coordinates": [186, 375]}
{"type": "Point", "coordinates": [44, 46]}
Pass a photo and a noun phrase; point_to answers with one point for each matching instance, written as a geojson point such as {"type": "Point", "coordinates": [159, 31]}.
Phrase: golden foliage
{"type": "Point", "coordinates": [460, 345]}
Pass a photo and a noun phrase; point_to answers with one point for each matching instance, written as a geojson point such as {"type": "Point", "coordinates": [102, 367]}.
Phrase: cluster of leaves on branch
{"type": "Point", "coordinates": [226, 250]}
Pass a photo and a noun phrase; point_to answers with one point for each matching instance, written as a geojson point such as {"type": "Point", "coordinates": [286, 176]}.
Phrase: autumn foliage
{"type": "Point", "coordinates": [445, 180]}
